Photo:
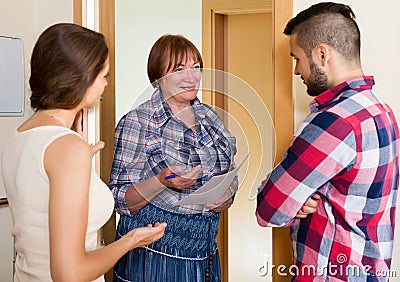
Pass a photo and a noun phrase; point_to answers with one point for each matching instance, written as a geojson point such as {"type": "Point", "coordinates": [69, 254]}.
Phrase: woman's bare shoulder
{"type": "Point", "coordinates": [69, 147]}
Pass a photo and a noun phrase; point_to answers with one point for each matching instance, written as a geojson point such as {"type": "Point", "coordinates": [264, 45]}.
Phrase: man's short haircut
{"type": "Point", "coordinates": [329, 23]}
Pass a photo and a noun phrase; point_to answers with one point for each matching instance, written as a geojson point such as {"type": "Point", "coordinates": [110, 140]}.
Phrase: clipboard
{"type": "Point", "coordinates": [212, 190]}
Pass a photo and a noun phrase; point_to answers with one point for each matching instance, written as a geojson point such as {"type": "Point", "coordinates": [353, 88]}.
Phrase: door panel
{"type": "Point", "coordinates": [248, 55]}
{"type": "Point", "coordinates": [245, 39]}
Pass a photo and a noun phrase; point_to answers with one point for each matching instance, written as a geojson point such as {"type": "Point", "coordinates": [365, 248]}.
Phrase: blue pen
{"type": "Point", "coordinates": [172, 175]}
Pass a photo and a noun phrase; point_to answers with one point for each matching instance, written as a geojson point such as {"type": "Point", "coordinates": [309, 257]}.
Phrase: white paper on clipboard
{"type": "Point", "coordinates": [213, 189]}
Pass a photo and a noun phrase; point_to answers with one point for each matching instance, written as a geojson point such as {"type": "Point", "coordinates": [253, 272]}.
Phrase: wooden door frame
{"type": "Point", "coordinates": [213, 54]}
{"type": "Point", "coordinates": [106, 118]}
{"type": "Point", "coordinates": [105, 114]}
{"type": "Point", "coordinates": [283, 114]}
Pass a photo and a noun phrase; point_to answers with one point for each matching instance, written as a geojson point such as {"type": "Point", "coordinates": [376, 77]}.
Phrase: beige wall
{"type": "Point", "coordinates": [380, 57]}
{"type": "Point", "coordinates": [26, 19]}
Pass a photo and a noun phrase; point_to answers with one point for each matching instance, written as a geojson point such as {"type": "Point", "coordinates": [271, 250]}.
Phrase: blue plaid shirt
{"type": "Point", "coordinates": [149, 139]}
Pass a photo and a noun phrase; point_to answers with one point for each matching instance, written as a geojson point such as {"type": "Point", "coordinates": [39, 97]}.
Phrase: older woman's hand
{"type": "Point", "coordinates": [173, 177]}
{"type": "Point", "coordinates": [222, 203]}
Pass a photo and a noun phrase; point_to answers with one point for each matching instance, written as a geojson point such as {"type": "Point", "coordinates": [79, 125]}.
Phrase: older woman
{"type": "Point", "coordinates": [165, 149]}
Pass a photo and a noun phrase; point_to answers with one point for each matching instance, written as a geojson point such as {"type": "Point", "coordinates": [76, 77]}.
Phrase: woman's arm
{"type": "Point", "coordinates": [67, 163]}
{"type": "Point", "coordinates": [140, 194]}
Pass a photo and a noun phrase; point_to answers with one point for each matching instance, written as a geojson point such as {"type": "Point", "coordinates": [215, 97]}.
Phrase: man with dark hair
{"type": "Point", "coordinates": [346, 151]}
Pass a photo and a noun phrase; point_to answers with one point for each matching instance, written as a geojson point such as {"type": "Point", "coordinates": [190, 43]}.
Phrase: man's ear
{"type": "Point", "coordinates": [321, 54]}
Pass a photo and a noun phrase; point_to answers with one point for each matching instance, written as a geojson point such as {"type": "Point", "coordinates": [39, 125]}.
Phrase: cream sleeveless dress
{"type": "Point", "coordinates": [27, 189]}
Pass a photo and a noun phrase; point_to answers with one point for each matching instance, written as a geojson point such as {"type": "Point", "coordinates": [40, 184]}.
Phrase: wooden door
{"type": "Point", "coordinates": [245, 38]}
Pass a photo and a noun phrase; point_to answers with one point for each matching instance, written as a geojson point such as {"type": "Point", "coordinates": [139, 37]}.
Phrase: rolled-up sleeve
{"type": "Point", "coordinates": [129, 161]}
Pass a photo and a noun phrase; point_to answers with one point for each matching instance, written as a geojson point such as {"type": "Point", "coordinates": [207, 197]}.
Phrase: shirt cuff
{"type": "Point", "coordinates": [119, 198]}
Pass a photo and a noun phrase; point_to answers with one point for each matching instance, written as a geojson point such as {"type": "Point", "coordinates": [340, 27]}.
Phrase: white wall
{"type": "Point", "coordinates": [26, 19]}
{"type": "Point", "coordinates": [138, 25]}
{"type": "Point", "coordinates": [379, 23]}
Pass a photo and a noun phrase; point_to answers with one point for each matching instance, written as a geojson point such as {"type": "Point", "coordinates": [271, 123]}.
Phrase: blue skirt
{"type": "Point", "coordinates": [188, 250]}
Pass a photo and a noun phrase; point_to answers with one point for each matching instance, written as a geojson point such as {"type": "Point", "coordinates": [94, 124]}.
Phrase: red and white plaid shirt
{"type": "Point", "coordinates": [347, 150]}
